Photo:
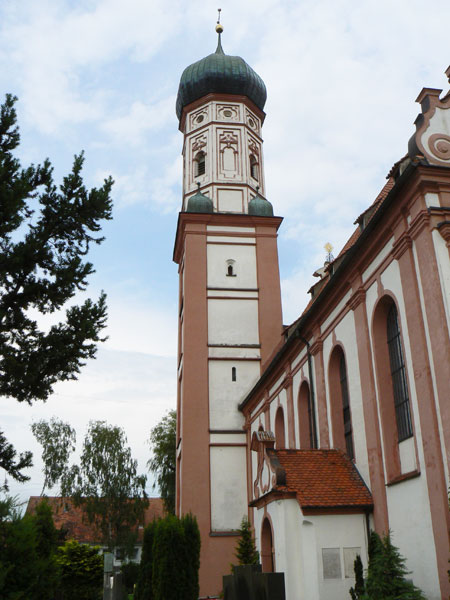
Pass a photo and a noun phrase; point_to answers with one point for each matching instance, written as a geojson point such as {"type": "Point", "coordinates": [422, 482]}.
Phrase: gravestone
{"type": "Point", "coordinates": [248, 582]}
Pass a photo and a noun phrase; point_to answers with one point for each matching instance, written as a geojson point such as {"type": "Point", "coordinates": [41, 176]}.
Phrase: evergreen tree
{"type": "Point", "coordinates": [386, 576]}
{"type": "Point", "coordinates": [13, 464]}
{"type": "Point", "coordinates": [357, 593]}
{"type": "Point", "coordinates": [81, 571]}
{"type": "Point", "coordinates": [46, 545]}
{"type": "Point", "coordinates": [169, 560]}
{"type": "Point", "coordinates": [45, 234]}
{"type": "Point", "coordinates": [19, 567]}
{"type": "Point", "coordinates": [144, 589]}
{"type": "Point", "coordinates": [246, 551]}
{"type": "Point", "coordinates": [193, 543]}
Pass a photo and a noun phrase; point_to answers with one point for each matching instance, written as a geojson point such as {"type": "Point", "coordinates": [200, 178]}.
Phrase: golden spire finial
{"type": "Point", "coordinates": [328, 247]}
{"type": "Point", "coordinates": [219, 26]}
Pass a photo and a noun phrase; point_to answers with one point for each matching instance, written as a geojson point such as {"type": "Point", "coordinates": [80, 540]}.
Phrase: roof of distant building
{"type": "Point", "coordinates": [70, 518]}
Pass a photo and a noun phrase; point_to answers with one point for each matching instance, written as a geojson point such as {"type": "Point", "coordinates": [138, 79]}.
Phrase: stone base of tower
{"type": "Point", "coordinates": [216, 556]}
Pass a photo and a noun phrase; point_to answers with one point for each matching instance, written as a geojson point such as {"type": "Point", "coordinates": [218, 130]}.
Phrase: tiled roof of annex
{"type": "Point", "coordinates": [323, 479]}
{"type": "Point", "coordinates": [70, 518]}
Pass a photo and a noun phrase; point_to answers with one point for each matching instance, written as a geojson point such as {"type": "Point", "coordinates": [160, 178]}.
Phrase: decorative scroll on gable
{"type": "Point", "coordinates": [432, 137]}
{"type": "Point", "coordinates": [269, 472]}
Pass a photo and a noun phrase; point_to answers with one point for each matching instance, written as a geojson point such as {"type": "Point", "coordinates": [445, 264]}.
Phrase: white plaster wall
{"type": "Point", "coordinates": [282, 397]}
{"type": "Point", "coordinates": [230, 228]}
{"type": "Point", "coordinates": [235, 353]}
{"type": "Point", "coordinates": [340, 305]}
{"type": "Point", "coordinates": [443, 263]}
{"type": "Point", "coordinates": [338, 531]}
{"type": "Point", "coordinates": [233, 322]}
{"type": "Point", "coordinates": [276, 385]}
{"type": "Point", "coordinates": [345, 332]}
{"type": "Point", "coordinates": [228, 438]}
{"type": "Point", "coordinates": [300, 376]}
{"type": "Point", "coordinates": [244, 266]}
{"type": "Point", "coordinates": [225, 394]}
{"type": "Point", "coordinates": [228, 487]}
{"type": "Point", "coordinates": [378, 260]}
{"type": "Point", "coordinates": [298, 358]}
{"type": "Point", "coordinates": [412, 533]}
{"type": "Point", "coordinates": [432, 199]}
{"type": "Point", "coordinates": [439, 123]}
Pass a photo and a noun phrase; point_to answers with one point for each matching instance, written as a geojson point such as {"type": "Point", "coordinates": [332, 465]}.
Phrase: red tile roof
{"type": "Point", "coordinates": [69, 517]}
{"type": "Point", "coordinates": [322, 479]}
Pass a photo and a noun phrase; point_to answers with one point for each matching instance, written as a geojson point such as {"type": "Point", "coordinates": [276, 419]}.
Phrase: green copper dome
{"type": "Point", "coordinates": [260, 207]}
{"type": "Point", "coordinates": [221, 74]}
{"type": "Point", "coordinates": [199, 203]}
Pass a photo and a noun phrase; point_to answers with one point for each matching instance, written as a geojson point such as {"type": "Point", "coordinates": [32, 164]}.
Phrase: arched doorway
{"type": "Point", "coordinates": [267, 550]}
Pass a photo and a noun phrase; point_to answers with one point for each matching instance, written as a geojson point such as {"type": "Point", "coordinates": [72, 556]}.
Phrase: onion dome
{"type": "Point", "coordinates": [222, 74]}
{"type": "Point", "coordinates": [199, 203]}
{"type": "Point", "coordinates": [260, 207]}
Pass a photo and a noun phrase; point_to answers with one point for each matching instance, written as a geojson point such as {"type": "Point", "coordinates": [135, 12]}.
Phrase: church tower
{"type": "Point", "coordinates": [229, 296]}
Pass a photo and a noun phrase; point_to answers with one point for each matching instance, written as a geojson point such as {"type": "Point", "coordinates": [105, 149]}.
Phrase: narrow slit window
{"type": "Point", "coordinates": [200, 164]}
{"type": "Point", "coordinates": [253, 167]}
{"type": "Point", "coordinates": [230, 268]}
{"type": "Point", "coordinates": [233, 373]}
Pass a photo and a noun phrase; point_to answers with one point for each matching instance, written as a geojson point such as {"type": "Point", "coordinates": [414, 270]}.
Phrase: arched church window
{"type": "Point", "coordinates": [346, 408]}
{"type": "Point", "coordinates": [398, 374]}
{"type": "Point", "coordinates": [267, 550]}
{"type": "Point", "coordinates": [200, 164]}
{"type": "Point", "coordinates": [304, 416]}
{"type": "Point", "coordinates": [253, 167]}
{"type": "Point", "coordinates": [233, 373]}
{"type": "Point", "coordinates": [340, 403]}
{"type": "Point", "coordinates": [280, 439]}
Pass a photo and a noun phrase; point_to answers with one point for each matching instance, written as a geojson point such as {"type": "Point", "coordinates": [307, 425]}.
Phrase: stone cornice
{"type": "Point", "coordinates": [419, 223]}
{"type": "Point", "coordinates": [401, 245]}
{"type": "Point", "coordinates": [358, 297]}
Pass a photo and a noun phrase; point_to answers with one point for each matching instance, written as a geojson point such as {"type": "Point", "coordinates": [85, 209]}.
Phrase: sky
{"type": "Point", "coordinates": [102, 75]}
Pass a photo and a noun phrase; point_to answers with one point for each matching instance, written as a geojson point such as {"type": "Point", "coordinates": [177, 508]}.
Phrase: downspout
{"type": "Point", "coordinates": [312, 402]}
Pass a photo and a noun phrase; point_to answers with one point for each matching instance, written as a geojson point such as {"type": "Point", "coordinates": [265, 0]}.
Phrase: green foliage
{"type": "Point", "coordinates": [144, 589]}
{"type": "Point", "coordinates": [106, 485]}
{"type": "Point", "coordinates": [19, 567]}
{"type": "Point", "coordinates": [162, 463]}
{"type": "Point", "coordinates": [46, 545]}
{"type": "Point", "coordinates": [357, 592]}
{"type": "Point", "coordinates": [386, 575]}
{"type": "Point", "coordinates": [246, 551]}
{"type": "Point", "coordinates": [169, 559]}
{"type": "Point", "coordinates": [81, 571]}
{"type": "Point", "coordinates": [58, 442]}
{"type": "Point", "coordinates": [45, 232]}
{"type": "Point", "coordinates": [12, 464]}
{"type": "Point", "coordinates": [130, 573]}
{"type": "Point", "coordinates": [192, 565]}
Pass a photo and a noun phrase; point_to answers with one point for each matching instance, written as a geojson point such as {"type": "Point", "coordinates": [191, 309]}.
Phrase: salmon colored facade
{"type": "Point", "coordinates": [340, 422]}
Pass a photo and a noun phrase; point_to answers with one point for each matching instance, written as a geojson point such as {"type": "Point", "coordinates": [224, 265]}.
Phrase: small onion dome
{"type": "Point", "coordinates": [260, 207]}
{"type": "Point", "coordinates": [199, 203]}
{"type": "Point", "coordinates": [222, 74]}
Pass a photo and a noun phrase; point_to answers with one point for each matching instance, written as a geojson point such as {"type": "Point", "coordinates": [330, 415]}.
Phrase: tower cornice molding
{"type": "Point", "coordinates": [220, 98]}
{"type": "Point", "coordinates": [226, 219]}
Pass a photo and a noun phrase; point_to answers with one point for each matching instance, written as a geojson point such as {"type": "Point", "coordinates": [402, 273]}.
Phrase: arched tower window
{"type": "Point", "coordinates": [280, 440]}
{"type": "Point", "coordinates": [200, 164]}
{"type": "Point", "coordinates": [304, 417]}
{"type": "Point", "coordinates": [398, 375]}
{"type": "Point", "coordinates": [340, 403]}
{"type": "Point", "coordinates": [231, 268]}
{"type": "Point", "coordinates": [267, 550]}
{"type": "Point", "coordinates": [254, 167]}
